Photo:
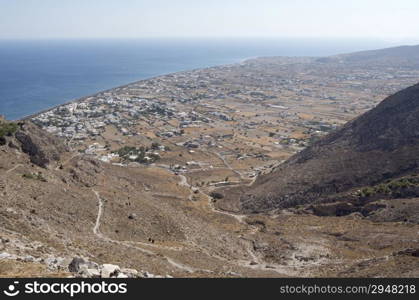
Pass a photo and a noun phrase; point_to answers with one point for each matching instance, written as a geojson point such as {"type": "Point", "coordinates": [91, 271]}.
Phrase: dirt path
{"type": "Point", "coordinates": [99, 215]}
{"type": "Point", "coordinates": [14, 168]}
{"type": "Point", "coordinates": [239, 218]}
{"type": "Point", "coordinates": [227, 165]}
{"type": "Point", "coordinates": [97, 232]}
{"type": "Point", "coordinates": [183, 181]}
{"type": "Point", "coordinates": [259, 264]}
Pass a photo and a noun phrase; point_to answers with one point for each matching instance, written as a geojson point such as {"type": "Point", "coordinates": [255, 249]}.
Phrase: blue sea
{"type": "Point", "coordinates": [38, 74]}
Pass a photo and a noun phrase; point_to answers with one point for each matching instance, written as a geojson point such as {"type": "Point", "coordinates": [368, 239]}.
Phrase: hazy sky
{"type": "Point", "coordinates": [386, 19]}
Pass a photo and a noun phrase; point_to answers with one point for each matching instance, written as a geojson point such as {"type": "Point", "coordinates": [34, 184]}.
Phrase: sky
{"type": "Point", "coordinates": [393, 20]}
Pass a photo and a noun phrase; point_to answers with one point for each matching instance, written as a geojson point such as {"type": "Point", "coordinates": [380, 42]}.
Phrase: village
{"type": "Point", "coordinates": [230, 122]}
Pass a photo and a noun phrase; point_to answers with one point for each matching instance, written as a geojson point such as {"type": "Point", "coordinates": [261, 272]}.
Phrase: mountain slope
{"type": "Point", "coordinates": [403, 56]}
{"type": "Point", "coordinates": [380, 145]}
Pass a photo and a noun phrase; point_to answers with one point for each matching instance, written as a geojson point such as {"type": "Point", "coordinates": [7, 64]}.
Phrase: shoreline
{"type": "Point", "coordinates": [77, 100]}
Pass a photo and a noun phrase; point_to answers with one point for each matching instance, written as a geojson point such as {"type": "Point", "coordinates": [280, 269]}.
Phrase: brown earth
{"type": "Point", "coordinates": [142, 217]}
{"type": "Point", "coordinates": [380, 145]}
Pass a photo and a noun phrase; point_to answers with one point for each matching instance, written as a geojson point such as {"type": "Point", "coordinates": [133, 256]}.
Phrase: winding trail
{"type": "Point", "coordinates": [97, 232]}
{"type": "Point", "coordinates": [239, 218]}
{"type": "Point", "coordinates": [259, 263]}
{"type": "Point", "coordinates": [243, 263]}
{"type": "Point", "coordinates": [184, 182]}
{"type": "Point", "coordinates": [142, 247]}
{"type": "Point", "coordinates": [99, 215]}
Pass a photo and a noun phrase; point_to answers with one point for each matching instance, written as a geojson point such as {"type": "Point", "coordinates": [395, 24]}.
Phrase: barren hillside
{"type": "Point", "coordinates": [377, 147]}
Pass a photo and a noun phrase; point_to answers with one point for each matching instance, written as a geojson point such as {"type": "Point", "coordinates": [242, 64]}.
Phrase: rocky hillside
{"type": "Point", "coordinates": [375, 148]}
{"type": "Point", "coordinates": [64, 213]}
{"type": "Point", "coordinates": [41, 147]}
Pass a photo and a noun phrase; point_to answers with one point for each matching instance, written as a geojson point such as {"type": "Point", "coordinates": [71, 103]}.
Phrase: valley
{"type": "Point", "coordinates": [137, 176]}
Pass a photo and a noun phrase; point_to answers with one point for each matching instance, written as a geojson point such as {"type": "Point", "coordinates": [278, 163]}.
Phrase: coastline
{"type": "Point", "coordinates": [76, 100]}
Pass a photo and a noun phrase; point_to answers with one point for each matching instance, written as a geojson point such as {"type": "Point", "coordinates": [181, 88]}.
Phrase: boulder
{"type": "Point", "coordinates": [110, 271]}
{"type": "Point", "coordinates": [63, 263]}
{"type": "Point", "coordinates": [131, 273]}
{"type": "Point", "coordinates": [79, 264]}
{"type": "Point", "coordinates": [148, 275]}
{"type": "Point", "coordinates": [90, 273]}
{"type": "Point", "coordinates": [74, 265]}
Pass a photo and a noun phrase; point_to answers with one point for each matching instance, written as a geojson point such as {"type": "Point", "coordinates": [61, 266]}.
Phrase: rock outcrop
{"type": "Point", "coordinates": [83, 268]}
{"type": "Point", "coordinates": [41, 147]}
